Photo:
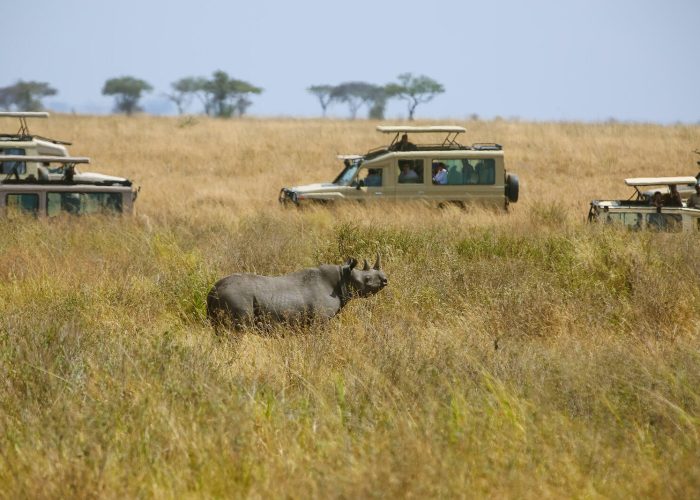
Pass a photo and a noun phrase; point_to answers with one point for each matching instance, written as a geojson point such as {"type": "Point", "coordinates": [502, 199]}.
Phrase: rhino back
{"type": "Point", "coordinates": [303, 293]}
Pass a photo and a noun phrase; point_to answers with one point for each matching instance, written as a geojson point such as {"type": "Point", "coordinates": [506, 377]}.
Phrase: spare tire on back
{"type": "Point", "coordinates": [512, 187]}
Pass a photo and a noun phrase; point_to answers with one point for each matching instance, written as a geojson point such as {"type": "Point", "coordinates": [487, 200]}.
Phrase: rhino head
{"type": "Point", "coordinates": [366, 281]}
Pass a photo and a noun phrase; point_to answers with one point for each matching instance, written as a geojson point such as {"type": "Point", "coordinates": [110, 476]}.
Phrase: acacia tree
{"type": "Point", "coordinates": [355, 95]}
{"type": "Point", "coordinates": [183, 90]}
{"type": "Point", "coordinates": [415, 90]}
{"type": "Point", "coordinates": [378, 99]}
{"type": "Point", "coordinates": [226, 97]}
{"type": "Point", "coordinates": [221, 96]}
{"type": "Point", "coordinates": [25, 96]}
{"type": "Point", "coordinates": [127, 92]}
{"type": "Point", "coordinates": [324, 93]}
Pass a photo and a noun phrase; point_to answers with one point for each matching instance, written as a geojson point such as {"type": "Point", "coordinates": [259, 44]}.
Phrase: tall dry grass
{"type": "Point", "coordinates": [520, 354]}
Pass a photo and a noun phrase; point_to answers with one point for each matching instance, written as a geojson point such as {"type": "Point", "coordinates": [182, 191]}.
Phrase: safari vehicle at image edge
{"type": "Point", "coordinates": [51, 185]}
{"type": "Point", "coordinates": [446, 172]}
{"type": "Point", "coordinates": [40, 178]}
{"type": "Point", "coordinates": [638, 212]}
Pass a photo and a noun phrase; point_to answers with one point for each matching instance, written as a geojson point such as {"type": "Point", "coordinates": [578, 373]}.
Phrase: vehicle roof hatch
{"type": "Point", "coordinates": [23, 115]}
{"type": "Point", "coordinates": [661, 181]}
{"type": "Point", "coordinates": [452, 132]}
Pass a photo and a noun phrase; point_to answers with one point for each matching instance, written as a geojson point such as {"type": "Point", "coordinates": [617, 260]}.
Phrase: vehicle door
{"type": "Point", "coordinates": [410, 177]}
{"type": "Point", "coordinates": [372, 183]}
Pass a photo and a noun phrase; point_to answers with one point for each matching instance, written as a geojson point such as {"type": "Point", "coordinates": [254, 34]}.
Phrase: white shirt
{"type": "Point", "coordinates": [441, 177]}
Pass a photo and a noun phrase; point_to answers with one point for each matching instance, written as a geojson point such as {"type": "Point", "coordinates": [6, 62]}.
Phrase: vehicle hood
{"type": "Point", "coordinates": [316, 188]}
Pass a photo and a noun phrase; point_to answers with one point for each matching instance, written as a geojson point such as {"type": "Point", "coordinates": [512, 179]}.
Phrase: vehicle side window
{"type": "Point", "coordinates": [410, 172]}
{"type": "Point", "coordinates": [12, 167]}
{"type": "Point", "coordinates": [83, 203]}
{"type": "Point", "coordinates": [672, 223]}
{"type": "Point", "coordinates": [371, 177]}
{"type": "Point", "coordinates": [613, 218]}
{"type": "Point", "coordinates": [633, 221]}
{"type": "Point", "coordinates": [460, 172]}
{"type": "Point", "coordinates": [23, 202]}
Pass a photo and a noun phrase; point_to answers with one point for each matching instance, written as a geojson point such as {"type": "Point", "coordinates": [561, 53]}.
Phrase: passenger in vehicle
{"type": "Point", "coordinates": [657, 201]}
{"type": "Point", "coordinates": [408, 175]}
{"type": "Point", "coordinates": [637, 226]}
{"type": "Point", "coordinates": [471, 176]}
{"type": "Point", "coordinates": [455, 175]}
{"type": "Point", "coordinates": [694, 200]}
{"type": "Point", "coordinates": [374, 177]}
{"type": "Point", "coordinates": [403, 144]}
{"type": "Point", "coordinates": [440, 174]}
{"type": "Point", "coordinates": [673, 197]}
{"type": "Point", "coordinates": [70, 203]}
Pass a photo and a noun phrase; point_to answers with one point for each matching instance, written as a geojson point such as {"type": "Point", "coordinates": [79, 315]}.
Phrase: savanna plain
{"type": "Point", "coordinates": [514, 354]}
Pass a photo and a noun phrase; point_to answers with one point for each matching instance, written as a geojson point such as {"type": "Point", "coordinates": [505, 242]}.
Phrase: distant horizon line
{"type": "Point", "coordinates": [475, 117]}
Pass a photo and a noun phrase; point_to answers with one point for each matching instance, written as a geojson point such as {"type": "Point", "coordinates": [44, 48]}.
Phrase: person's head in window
{"type": "Point", "coordinates": [407, 173]}
{"type": "Point", "coordinates": [404, 144]}
{"type": "Point", "coordinates": [374, 177]}
{"type": "Point", "coordinates": [440, 174]}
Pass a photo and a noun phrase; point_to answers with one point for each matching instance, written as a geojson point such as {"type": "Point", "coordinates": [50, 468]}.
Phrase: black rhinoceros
{"type": "Point", "coordinates": [317, 292]}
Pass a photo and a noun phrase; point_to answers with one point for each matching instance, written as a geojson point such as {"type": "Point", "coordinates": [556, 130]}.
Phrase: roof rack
{"type": "Point", "coordinates": [392, 129]}
{"type": "Point", "coordinates": [659, 181]}
{"type": "Point", "coordinates": [71, 160]}
{"type": "Point", "coordinates": [450, 140]}
{"type": "Point", "coordinates": [23, 115]}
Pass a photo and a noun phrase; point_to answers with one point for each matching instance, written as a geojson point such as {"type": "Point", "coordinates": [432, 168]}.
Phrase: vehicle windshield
{"type": "Point", "coordinates": [348, 174]}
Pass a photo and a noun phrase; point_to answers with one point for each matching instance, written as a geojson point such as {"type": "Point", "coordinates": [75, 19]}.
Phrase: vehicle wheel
{"type": "Point", "coordinates": [512, 188]}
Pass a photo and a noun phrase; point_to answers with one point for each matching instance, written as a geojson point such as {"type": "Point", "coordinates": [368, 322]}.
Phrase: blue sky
{"type": "Point", "coordinates": [537, 60]}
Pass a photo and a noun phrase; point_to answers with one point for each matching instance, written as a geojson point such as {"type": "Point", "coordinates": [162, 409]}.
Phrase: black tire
{"type": "Point", "coordinates": [512, 188]}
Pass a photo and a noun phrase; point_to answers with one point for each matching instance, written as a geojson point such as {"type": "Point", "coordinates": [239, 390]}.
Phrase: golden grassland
{"type": "Point", "coordinates": [520, 354]}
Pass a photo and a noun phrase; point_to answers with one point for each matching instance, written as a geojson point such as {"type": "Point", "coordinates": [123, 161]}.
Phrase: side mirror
{"type": "Point", "coordinates": [360, 183]}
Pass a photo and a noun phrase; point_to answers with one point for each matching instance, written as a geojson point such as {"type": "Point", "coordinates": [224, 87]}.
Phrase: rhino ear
{"type": "Point", "coordinates": [350, 263]}
{"type": "Point", "coordinates": [378, 263]}
{"type": "Point", "coordinates": [366, 268]}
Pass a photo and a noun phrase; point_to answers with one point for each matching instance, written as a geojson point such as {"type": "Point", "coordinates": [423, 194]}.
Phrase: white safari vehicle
{"type": "Point", "coordinates": [439, 173]}
{"type": "Point", "coordinates": [39, 177]}
{"type": "Point", "coordinates": [52, 185]}
{"type": "Point", "coordinates": [642, 211]}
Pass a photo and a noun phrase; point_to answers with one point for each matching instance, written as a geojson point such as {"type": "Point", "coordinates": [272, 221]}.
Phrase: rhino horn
{"type": "Point", "coordinates": [378, 264]}
{"type": "Point", "coordinates": [366, 268]}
